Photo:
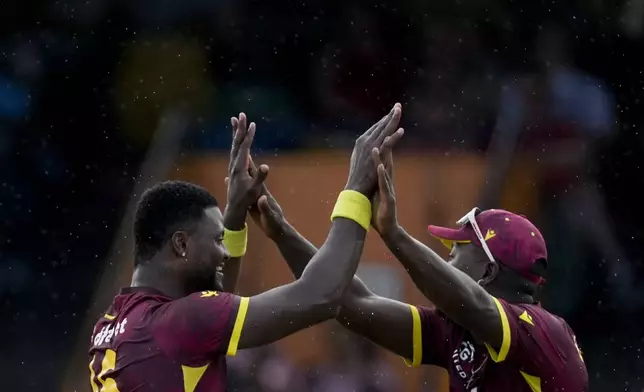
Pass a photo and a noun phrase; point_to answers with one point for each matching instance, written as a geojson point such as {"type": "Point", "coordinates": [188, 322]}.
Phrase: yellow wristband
{"type": "Point", "coordinates": [235, 241]}
{"type": "Point", "coordinates": [355, 206]}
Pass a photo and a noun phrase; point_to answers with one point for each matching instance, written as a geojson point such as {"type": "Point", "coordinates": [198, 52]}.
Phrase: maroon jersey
{"type": "Point", "coordinates": [149, 342]}
{"type": "Point", "coordinates": [539, 352]}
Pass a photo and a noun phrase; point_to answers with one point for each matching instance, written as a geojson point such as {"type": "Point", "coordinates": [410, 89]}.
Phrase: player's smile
{"type": "Point", "coordinates": [219, 275]}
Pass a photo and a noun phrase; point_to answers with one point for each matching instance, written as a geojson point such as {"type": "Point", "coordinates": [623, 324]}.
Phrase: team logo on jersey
{"type": "Point", "coordinates": [463, 357]}
{"type": "Point", "coordinates": [206, 294]}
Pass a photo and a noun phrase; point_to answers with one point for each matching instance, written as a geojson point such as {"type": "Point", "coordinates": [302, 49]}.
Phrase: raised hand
{"type": "Point", "coordinates": [383, 218]}
{"type": "Point", "coordinates": [362, 176]}
{"type": "Point", "coordinates": [243, 188]}
{"type": "Point", "coordinates": [266, 213]}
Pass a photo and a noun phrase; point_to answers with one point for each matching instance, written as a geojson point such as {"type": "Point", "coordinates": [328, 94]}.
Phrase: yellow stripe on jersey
{"type": "Point", "coordinates": [192, 376]}
{"type": "Point", "coordinates": [533, 381]}
{"type": "Point", "coordinates": [109, 317]}
{"type": "Point", "coordinates": [507, 338]}
{"type": "Point", "coordinates": [92, 375]}
{"type": "Point", "coordinates": [417, 339]}
{"type": "Point", "coordinates": [239, 325]}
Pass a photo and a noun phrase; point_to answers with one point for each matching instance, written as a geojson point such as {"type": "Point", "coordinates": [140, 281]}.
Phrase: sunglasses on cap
{"type": "Point", "coordinates": [470, 218]}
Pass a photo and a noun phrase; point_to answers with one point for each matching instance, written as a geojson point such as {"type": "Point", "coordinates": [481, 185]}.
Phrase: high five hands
{"type": "Point", "coordinates": [383, 217]}
{"type": "Point", "coordinates": [371, 173]}
{"type": "Point", "coordinates": [362, 176]}
{"type": "Point", "coordinates": [375, 148]}
{"type": "Point", "coordinates": [244, 185]}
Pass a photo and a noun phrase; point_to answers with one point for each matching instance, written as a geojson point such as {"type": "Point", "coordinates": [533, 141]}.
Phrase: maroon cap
{"type": "Point", "coordinates": [512, 239]}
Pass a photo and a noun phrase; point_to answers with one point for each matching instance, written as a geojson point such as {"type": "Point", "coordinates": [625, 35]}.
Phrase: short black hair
{"type": "Point", "coordinates": [162, 210]}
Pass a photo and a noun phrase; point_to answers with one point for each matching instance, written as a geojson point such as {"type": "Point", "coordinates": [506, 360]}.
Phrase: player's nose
{"type": "Point", "coordinates": [226, 255]}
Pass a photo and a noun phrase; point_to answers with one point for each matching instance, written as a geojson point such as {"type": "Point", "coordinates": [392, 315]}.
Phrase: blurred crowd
{"type": "Point", "coordinates": [84, 83]}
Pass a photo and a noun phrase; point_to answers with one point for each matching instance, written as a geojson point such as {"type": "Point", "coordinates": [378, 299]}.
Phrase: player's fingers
{"type": "Point", "coordinates": [241, 161]}
{"type": "Point", "coordinates": [236, 141]}
{"type": "Point", "coordinates": [386, 151]}
{"type": "Point", "coordinates": [238, 133]}
{"type": "Point", "coordinates": [375, 125]}
{"type": "Point", "coordinates": [374, 131]}
{"type": "Point", "coordinates": [260, 177]}
{"type": "Point", "coordinates": [226, 181]}
{"type": "Point", "coordinates": [386, 154]}
{"type": "Point", "coordinates": [375, 156]}
{"type": "Point", "coordinates": [243, 122]}
{"type": "Point", "coordinates": [390, 127]}
{"type": "Point", "coordinates": [385, 185]}
{"type": "Point", "coordinates": [264, 206]}
{"type": "Point", "coordinates": [234, 121]}
{"type": "Point", "coordinates": [382, 181]}
{"type": "Point", "coordinates": [252, 168]}
{"type": "Point", "coordinates": [383, 121]}
{"type": "Point", "coordinates": [390, 141]}
{"type": "Point", "coordinates": [385, 148]}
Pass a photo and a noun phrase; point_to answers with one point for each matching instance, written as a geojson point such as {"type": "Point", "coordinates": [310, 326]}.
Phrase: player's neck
{"type": "Point", "coordinates": [159, 278]}
{"type": "Point", "coordinates": [514, 297]}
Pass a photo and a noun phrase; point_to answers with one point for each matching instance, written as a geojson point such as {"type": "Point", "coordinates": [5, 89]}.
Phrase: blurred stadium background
{"type": "Point", "coordinates": [531, 106]}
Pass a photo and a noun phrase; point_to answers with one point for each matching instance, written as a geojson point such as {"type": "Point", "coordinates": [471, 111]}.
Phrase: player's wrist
{"type": "Point", "coordinates": [280, 229]}
{"type": "Point", "coordinates": [390, 232]}
{"type": "Point", "coordinates": [284, 232]}
{"type": "Point", "coordinates": [353, 205]}
{"type": "Point", "coordinates": [236, 241]}
{"type": "Point", "coordinates": [234, 218]}
{"type": "Point", "coordinates": [360, 187]}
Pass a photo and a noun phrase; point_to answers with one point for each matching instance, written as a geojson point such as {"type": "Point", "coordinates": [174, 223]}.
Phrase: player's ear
{"type": "Point", "coordinates": [491, 272]}
{"type": "Point", "coordinates": [180, 243]}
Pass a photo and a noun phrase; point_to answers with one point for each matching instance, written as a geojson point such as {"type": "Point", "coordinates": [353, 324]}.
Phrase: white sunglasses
{"type": "Point", "coordinates": [470, 218]}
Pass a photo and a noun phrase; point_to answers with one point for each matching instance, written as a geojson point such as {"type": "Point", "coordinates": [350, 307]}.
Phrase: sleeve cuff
{"type": "Point", "coordinates": [237, 328]}
{"type": "Point", "coordinates": [417, 339]}
{"type": "Point", "coordinates": [502, 354]}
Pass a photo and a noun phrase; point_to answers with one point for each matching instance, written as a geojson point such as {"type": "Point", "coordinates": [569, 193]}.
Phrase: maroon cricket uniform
{"type": "Point", "coordinates": [149, 342]}
{"type": "Point", "coordinates": [539, 352]}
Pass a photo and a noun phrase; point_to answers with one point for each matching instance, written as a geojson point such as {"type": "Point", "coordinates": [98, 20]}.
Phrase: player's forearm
{"type": "Point", "coordinates": [234, 219]}
{"type": "Point", "coordinates": [298, 251]}
{"type": "Point", "coordinates": [232, 269]}
{"type": "Point", "coordinates": [313, 298]}
{"type": "Point", "coordinates": [452, 291]}
{"type": "Point", "coordinates": [355, 313]}
{"type": "Point", "coordinates": [383, 321]}
{"type": "Point", "coordinates": [332, 268]}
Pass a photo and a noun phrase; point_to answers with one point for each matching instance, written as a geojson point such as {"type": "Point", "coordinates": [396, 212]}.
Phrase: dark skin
{"type": "Point", "coordinates": [462, 288]}
{"type": "Point", "coordinates": [243, 191]}
{"type": "Point", "coordinates": [451, 286]}
{"type": "Point", "coordinates": [316, 296]}
{"type": "Point", "coordinates": [187, 263]}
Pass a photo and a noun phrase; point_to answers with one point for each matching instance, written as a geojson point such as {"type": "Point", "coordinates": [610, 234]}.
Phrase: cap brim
{"type": "Point", "coordinates": [449, 236]}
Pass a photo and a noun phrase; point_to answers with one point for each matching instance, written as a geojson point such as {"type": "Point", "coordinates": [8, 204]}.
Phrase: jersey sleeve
{"type": "Point", "coordinates": [531, 336]}
{"type": "Point", "coordinates": [200, 325]}
{"type": "Point", "coordinates": [430, 337]}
